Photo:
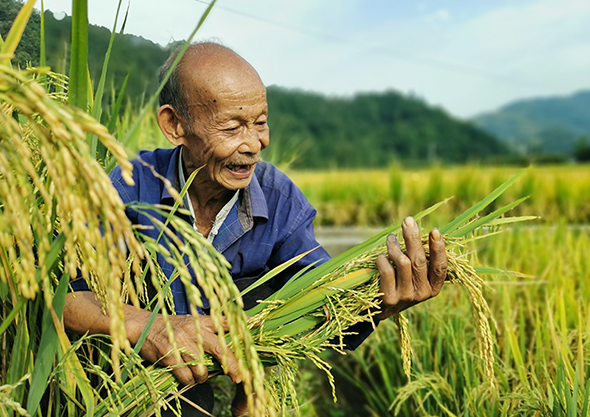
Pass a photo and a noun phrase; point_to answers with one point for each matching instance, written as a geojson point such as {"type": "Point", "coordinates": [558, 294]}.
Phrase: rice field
{"type": "Point", "coordinates": [380, 197]}
{"type": "Point", "coordinates": [540, 317]}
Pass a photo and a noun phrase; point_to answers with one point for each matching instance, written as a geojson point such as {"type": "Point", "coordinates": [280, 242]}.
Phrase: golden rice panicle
{"type": "Point", "coordinates": [61, 189]}
{"type": "Point", "coordinates": [461, 272]}
{"type": "Point", "coordinates": [213, 281]}
{"type": "Point", "coordinates": [406, 346]}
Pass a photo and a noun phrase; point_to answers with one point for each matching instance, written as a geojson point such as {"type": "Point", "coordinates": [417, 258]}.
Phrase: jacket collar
{"type": "Point", "coordinates": [252, 202]}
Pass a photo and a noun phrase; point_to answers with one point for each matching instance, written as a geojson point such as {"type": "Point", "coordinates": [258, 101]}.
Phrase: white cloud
{"type": "Point", "coordinates": [440, 15]}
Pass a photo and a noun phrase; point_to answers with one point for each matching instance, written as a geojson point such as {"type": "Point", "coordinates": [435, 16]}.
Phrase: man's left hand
{"type": "Point", "coordinates": [413, 279]}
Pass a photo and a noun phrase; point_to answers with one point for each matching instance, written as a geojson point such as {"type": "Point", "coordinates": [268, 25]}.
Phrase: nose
{"type": "Point", "coordinates": [254, 139]}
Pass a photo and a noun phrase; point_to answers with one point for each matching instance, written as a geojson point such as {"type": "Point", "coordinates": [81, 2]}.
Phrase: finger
{"type": "Point", "coordinates": [386, 280]}
{"type": "Point", "coordinates": [199, 371]}
{"type": "Point", "coordinates": [415, 252]}
{"type": "Point", "coordinates": [207, 322]}
{"type": "Point", "coordinates": [437, 271]}
{"type": "Point", "coordinates": [403, 275]}
{"type": "Point", "coordinates": [229, 365]}
{"type": "Point", "coordinates": [182, 372]}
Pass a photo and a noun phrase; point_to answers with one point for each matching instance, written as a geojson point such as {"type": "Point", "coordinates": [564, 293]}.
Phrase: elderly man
{"type": "Point", "coordinates": [214, 111]}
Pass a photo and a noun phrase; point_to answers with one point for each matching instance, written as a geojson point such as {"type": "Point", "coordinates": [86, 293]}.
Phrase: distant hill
{"type": "Point", "coordinates": [133, 55]}
{"type": "Point", "coordinates": [372, 130]}
{"type": "Point", "coordinates": [366, 130]}
{"type": "Point", "coordinates": [551, 125]}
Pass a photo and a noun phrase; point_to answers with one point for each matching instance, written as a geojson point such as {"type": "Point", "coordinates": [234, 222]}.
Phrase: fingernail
{"type": "Point", "coordinates": [409, 221]}
{"type": "Point", "coordinates": [436, 236]}
{"type": "Point", "coordinates": [392, 238]}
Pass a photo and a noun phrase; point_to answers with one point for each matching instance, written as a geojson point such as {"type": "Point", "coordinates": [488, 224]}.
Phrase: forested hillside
{"type": "Point", "coordinates": [554, 124]}
{"type": "Point", "coordinates": [28, 49]}
{"type": "Point", "coordinates": [131, 54]}
{"type": "Point", "coordinates": [372, 129]}
{"type": "Point", "coordinates": [367, 130]}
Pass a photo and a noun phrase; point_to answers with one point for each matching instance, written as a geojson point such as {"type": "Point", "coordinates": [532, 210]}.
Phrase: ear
{"type": "Point", "coordinates": [171, 125]}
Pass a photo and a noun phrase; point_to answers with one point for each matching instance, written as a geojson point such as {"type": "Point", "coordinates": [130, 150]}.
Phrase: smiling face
{"type": "Point", "coordinates": [227, 101]}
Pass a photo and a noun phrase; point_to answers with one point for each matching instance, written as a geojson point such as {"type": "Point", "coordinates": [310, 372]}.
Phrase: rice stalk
{"type": "Point", "coordinates": [51, 185]}
{"type": "Point", "coordinates": [58, 208]}
{"type": "Point", "coordinates": [351, 296]}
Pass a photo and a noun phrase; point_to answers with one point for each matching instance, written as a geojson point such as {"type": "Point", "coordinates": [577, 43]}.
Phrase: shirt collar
{"type": "Point", "coordinates": [252, 204]}
{"type": "Point", "coordinates": [221, 216]}
{"type": "Point", "coordinates": [172, 174]}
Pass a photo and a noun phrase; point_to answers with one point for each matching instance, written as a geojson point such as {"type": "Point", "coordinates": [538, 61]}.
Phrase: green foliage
{"type": "Point", "coordinates": [27, 52]}
{"type": "Point", "coordinates": [130, 55]}
{"type": "Point", "coordinates": [371, 130]}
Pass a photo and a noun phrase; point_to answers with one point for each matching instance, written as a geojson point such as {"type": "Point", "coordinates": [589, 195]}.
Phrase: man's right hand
{"type": "Point", "coordinates": [83, 314]}
{"type": "Point", "coordinates": [157, 347]}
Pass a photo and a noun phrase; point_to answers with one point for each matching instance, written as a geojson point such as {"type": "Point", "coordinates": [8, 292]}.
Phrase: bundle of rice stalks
{"type": "Point", "coordinates": [316, 309]}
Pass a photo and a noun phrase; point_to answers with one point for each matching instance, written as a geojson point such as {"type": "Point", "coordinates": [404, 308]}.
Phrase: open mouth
{"type": "Point", "coordinates": [239, 168]}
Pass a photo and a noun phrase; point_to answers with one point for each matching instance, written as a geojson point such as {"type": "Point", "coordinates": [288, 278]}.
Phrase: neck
{"type": "Point", "coordinates": [206, 200]}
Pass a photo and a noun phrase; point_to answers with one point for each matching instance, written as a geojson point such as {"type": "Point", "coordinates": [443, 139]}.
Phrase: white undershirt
{"type": "Point", "coordinates": [221, 216]}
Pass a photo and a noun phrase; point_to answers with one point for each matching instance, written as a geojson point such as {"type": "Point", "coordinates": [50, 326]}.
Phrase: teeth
{"type": "Point", "coordinates": [238, 167]}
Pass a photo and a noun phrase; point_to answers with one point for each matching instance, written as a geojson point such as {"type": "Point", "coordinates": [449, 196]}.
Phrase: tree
{"type": "Point", "coordinates": [27, 52]}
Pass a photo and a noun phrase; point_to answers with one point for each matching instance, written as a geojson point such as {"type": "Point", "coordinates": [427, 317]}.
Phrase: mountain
{"type": "Point", "coordinates": [372, 130]}
{"type": "Point", "coordinates": [550, 125]}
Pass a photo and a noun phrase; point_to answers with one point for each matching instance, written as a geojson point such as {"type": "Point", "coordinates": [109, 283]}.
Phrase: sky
{"type": "Point", "coordinates": [466, 56]}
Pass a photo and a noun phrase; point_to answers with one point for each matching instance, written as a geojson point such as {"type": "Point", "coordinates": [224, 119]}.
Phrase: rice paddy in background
{"type": "Point", "coordinates": [380, 197]}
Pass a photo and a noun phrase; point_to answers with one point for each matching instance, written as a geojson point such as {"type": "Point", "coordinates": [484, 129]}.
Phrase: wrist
{"type": "Point", "coordinates": [135, 322]}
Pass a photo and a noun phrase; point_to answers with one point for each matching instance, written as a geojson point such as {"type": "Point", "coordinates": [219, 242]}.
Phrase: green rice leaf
{"type": "Point", "coordinates": [19, 362]}
{"type": "Point", "coordinates": [117, 107]}
{"type": "Point", "coordinates": [155, 312]}
{"type": "Point", "coordinates": [42, 58]}
{"type": "Point", "coordinates": [510, 220]}
{"type": "Point", "coordinates": [48, 347]}
{"type": "Point", "coordinates": [495, 271]}
{"type": "Point", "coordinates": [97, 105]}
{"type": "Point", "coordinates": [469, 227]}
{"type": "Point", "coordinates": [12, 315]}
{"type": "Point", "coordinates": [299, 326]}
{"type": "Point", "coordinates": [307, 301]}
{"type": "Point", "coordinates": [16, 31]}
{"type": "Point", "coordinates": [78, 83]}
{"type": "Point", "coordinates": [306, 280]}
{"type": "Point", "coordinates": [472, 211]}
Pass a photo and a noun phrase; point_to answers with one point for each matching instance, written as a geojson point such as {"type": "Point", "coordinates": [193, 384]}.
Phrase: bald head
{"type": "Point", "coordinates": [205, 73]}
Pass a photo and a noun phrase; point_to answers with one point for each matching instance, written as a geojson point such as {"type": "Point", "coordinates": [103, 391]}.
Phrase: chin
{"type": "Point", "coordinates": [237, 184]}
